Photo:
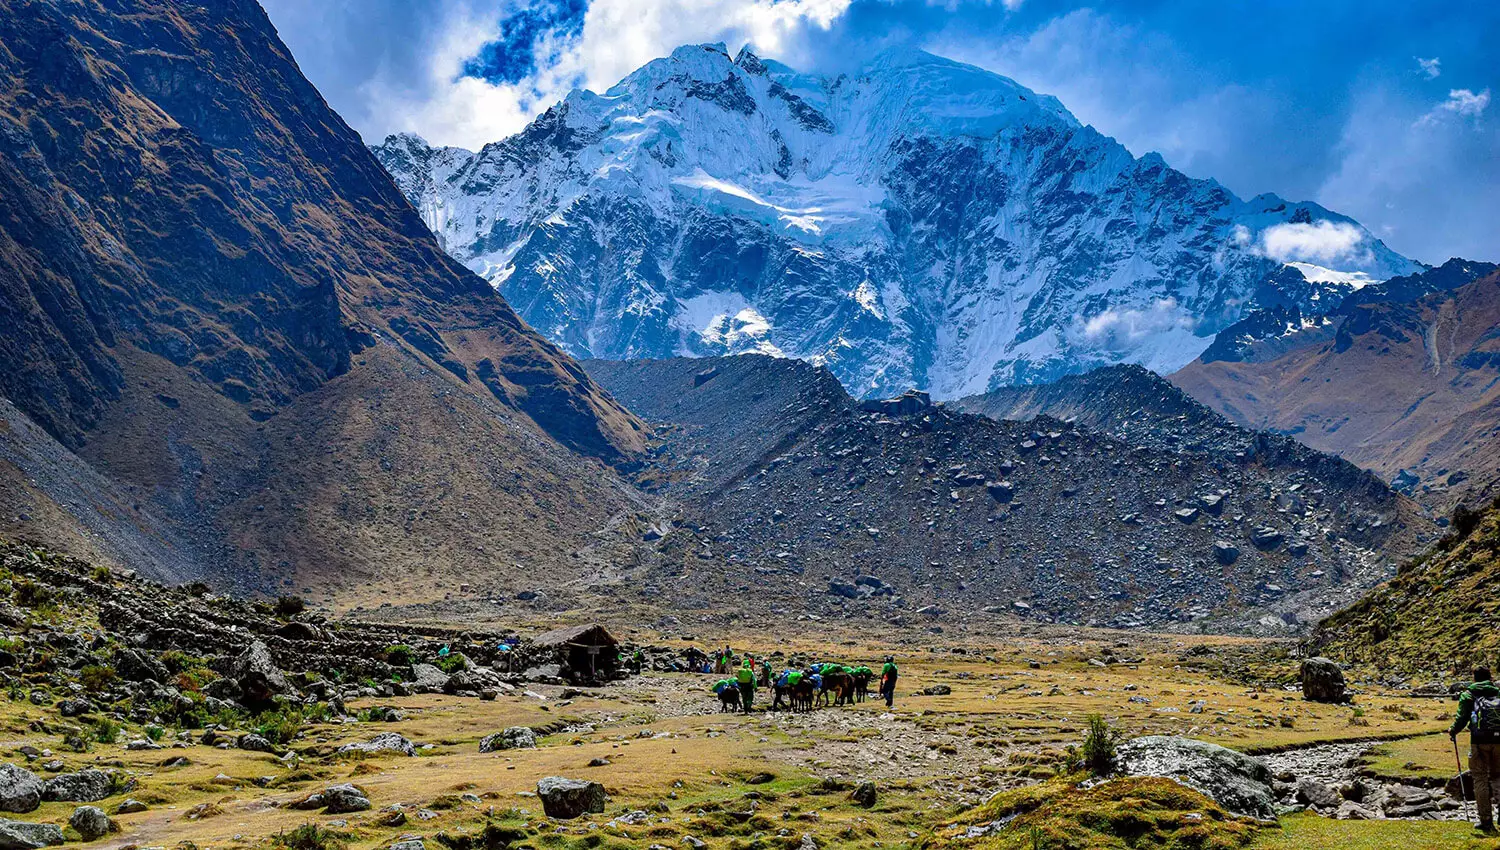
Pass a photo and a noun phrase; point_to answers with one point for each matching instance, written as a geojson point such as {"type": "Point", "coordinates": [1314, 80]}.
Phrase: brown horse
{"type": "Point", "coordinates": [861, 686]}
{"type": "Point", "coordinates": [840, 686]}
{"type": "Point", "coordinates": [802, 695]}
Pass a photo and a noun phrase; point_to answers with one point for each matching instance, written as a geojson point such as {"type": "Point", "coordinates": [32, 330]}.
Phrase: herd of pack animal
{"type": "Point", "coordinates": [820, 684]}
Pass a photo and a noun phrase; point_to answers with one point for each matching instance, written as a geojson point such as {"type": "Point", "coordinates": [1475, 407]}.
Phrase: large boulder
{"type": "Point", "coordinates": [91, 823]}
{"type": "Point", "coordinates": [564, 798]}
{"type": "Point", "coordinates": [514, 738]}
{"type": "Point", "coordinates": [85, 786]}
{"type": "Point", "coordinates": [20, 789]}
{"type": "Point", "coordinates": [135, 666]}
{"type": "Point", "coordinates": [384, 743]}
{"type": "Point", "coordinates": [260, 680]}
{"type": "Point", "coordinates": [343, 799]}
{"type": "Point", "coordinates": [20, 835]}
{"type": "Point", "coordinates": [1239, 783]}
{"type": "Point", "coordinates": [427, 679]}
{"type": "Point", "coordinates": [1323, 681]}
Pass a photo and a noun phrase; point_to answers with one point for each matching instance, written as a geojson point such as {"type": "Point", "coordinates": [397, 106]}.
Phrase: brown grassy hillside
{"type": "Point", "coordinates": [1438, 614]}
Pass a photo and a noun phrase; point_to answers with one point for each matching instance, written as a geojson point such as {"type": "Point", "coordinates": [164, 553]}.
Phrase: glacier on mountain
{"type": "Point", "coordinates": [920, 223]}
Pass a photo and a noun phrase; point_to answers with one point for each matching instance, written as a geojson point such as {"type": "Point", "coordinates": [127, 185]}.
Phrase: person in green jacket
{"type": "Point", "coordinates": [745, 678]}
{"type": "Point", "coordinates": [888, 681]}
{"type": "Point", "coordinates": [1479, 710]}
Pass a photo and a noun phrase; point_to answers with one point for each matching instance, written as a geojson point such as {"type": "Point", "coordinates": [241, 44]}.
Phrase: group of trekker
{"type": "Point", "coordinates": [797, 688]}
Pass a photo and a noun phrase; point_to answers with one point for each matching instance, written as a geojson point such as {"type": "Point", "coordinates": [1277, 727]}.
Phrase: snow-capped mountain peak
{"type": "Point", "coordinates": [919, 223]}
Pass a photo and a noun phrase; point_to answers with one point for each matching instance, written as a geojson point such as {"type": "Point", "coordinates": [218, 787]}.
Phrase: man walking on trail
{"type": "Point", "coordinates": [888, 681]}
{"type": "Point", "coordinates": [1479, 709]}
{"type": "Point", "coordinates": [745, 678]}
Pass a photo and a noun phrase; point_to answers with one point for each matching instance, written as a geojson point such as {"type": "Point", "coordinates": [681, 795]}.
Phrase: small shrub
{"type": "Point", "coordinates": [1098, 753]}
{"type": "Point", "coordinates": [400, 655]}
{"type": "Point", "coordinates": [106, 731]}
{"type": "Point", "coordinates": [97, 677]}
{"type": "Point", "coordinates": [30, 594]}
{"type": "Point", "coordinates": [100, 574]}
{"type": "Point", "coordinates": [310, 836]}
{"type": "Point", "coordinates": [290, 606]}
{"type": "Point", "coordinates": [451, 664]}
{"type": "Point", "coordinates": [155, 733]}
{"type": "Point", "coordinates": [13, 645]}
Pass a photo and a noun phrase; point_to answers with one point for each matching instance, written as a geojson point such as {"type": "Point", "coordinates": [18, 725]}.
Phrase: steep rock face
{"type": "Point", "coordinates": [174, 183]}
{"type": "Point", "coordinates": [922, 223]}
{"type": "Point", "coordinates": [205, 277]}
{"type": "Point", "coordinates": [1405, 388]}
{"type": "Point", "coordinates": [796, 491]}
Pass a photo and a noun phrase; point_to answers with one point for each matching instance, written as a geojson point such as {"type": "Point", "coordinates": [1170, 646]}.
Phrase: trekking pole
{"type": "Point", "coordinates": [1463, 793]}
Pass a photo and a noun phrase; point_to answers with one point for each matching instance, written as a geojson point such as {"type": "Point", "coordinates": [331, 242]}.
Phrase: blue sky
{"type": "Point", "coordinates": [1378, 109]}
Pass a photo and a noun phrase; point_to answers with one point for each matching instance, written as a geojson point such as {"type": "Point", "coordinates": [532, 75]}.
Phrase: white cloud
{"type": "Point", "coordinates": [1318, 242]}
{"type": "Point", "coordinates": [618, 36]}
{"type": "Point", "coordinates": [1431, 68]}
{"type": "Point", "coordinates": [1423, 177]}
{"type": "Point", "coordinates": [1123, 329]}
{"type": "Point", "coordinates": [1465, 102]}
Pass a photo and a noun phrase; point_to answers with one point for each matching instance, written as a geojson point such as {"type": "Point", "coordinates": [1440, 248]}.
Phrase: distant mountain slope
{"type": "Point", "coordinates": [803, 491]}
{"type": "Point", "coordinates": [1437, 616]}
{"type": "Point", "coordinates": [919, 223]}
{"type": "Point", "coordinates": [1407, 388]}
{"type": "Point", "coordinates": [206, 278]}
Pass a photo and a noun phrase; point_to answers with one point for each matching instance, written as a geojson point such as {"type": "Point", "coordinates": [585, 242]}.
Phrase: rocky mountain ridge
{"type": "Point", "coordinates": [1400, 379]}
{"type": "Point", "coordinates": [920, 223]}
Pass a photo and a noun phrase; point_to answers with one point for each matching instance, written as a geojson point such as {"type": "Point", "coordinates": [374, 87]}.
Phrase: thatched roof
{"type": "Point", "coordinates": [586, 635]}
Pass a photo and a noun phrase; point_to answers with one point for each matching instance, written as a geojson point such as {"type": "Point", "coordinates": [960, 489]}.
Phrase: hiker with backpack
{"type": "Point", "coordinates": [1479, 710]}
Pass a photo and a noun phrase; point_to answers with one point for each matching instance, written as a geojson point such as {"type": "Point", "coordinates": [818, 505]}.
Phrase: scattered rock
{"type": "Point", "coordinates": [85, 786]}
{"type": "Point", "coordinates": [427, 679]}
{"type": "Point", "coordinates": [259, 678]}
{"type": "Point", "coordinates": [255, 743]}
{"type": "Point", "coordinates": [20, 789]}
{"type": "Point", "coordinates": [385, 742]}
{"type": "Point", "coordinates": [1310, 792]}
{"type": "Point", "coordinates": [1225, 552]}
{"type": "Point", "coordinates": [513, 738]}
{"type": "Point", "coordinates": [91, 823]}
{"type": "Point", "coordinates": [343, 799]}
{"type": "Point", "coordinates": [564, 798]}
{"type": "Point", "coordinates": [129, 807]}
{"type": "Point", "coordinates": [20, 835]}
{"type": "Point", "coordinates": [864, 794]}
